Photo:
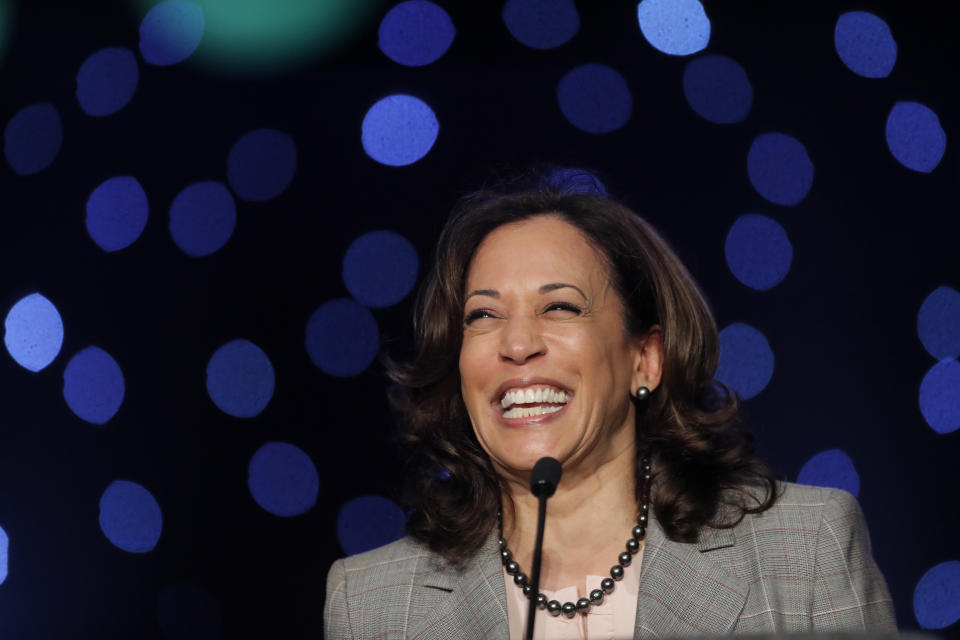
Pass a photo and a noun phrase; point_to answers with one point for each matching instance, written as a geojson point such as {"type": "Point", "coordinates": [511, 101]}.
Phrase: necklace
{"type": "Point", "coordinates": [607, 585]}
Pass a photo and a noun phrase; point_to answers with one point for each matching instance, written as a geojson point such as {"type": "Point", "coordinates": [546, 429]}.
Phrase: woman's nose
{"type": "Point", "coordinates": [521, 341]}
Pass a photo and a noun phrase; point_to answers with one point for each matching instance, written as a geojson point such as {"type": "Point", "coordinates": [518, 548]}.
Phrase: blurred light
{"type": "Point", "coordinates": [130, 517]}
{"type": "Point", "coordinates": [33, 332]}
{"type": "Point", "coordinates": [675, 27]}
{"type": "Point", "coordinates": [940, 396]}
{"type": "Point", "coordinates": [4, 551]}
{"type": "Point", "coordinates": [416, 33]}
{"type": "Point", "coordinates": [595, 98]}
{"type": "Point", "coordinates": [187, 612]}
{"type": "Point", "coordinates": [283, 479]}
{"type": "Point", "coordinates": [541, 24]}
{"type": "Point", "coordinates": [399, 130]}
{"type": "Point", "coordinates": [342, 337]}
{"type": "Point", "coordinates": [758, 251]}
{"type": "Point", "coordinates": [93, 385]}
{"type": "Point", "coordinates": [571, 180]}
{"type": "Point", "coordinates": [170, 32]}
{"type": "Point", "coordinates": [717, 89]}
{"type": "Point", "coordinates": [380, 268]}
{"type": "Point", "coordinates": [202, 218]}
{"type": "Point", "coordinates": [865, 44]}
{"type": "Point", "coordinates": [261, 164]}
{"type": "Point", "coordinates": [746, 360]}
{"type": "Point", "coordinates": [938, 323]}
{"type": "Point", "coordinates": [32, 138]}
{"type": "Point", "coordinates": [240, 379]}
{"type": "Point", "coordinates": [915, 137]}
{"type": "Point", "coordinates": [117, 213]}
{"type": "Point", "coordinates": [936, 600]}
{"type": "Point", "coordinates": [369, 522]}
{"type": "Point", "coordinates": [779, 168]}
{"type": "Point", "coordinates": [832, 468]}
{"type": "Point", "coordinates": [106, 81]}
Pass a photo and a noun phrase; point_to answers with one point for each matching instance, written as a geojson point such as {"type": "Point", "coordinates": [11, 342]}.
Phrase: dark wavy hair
{"type": "Point", "coordinates": [705, 472]}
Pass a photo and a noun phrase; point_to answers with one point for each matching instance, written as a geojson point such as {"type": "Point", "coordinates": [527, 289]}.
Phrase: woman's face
{"type": "Point", "coordinates": [546, 365]}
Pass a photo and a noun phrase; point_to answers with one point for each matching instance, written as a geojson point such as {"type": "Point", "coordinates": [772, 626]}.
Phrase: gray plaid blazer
{"type": "Point", "coordinates": [804, 564]}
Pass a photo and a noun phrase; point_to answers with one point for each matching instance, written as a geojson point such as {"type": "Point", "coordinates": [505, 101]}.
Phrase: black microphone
{"type": "Point", "coordinates": [543, 483]}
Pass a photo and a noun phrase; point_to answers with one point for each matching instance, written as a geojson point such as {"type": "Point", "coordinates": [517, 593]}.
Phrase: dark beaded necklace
{"type": "Point", "coordinates": [607, 585]}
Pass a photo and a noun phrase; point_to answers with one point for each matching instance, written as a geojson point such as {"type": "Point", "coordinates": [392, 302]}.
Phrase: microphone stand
{"type": "Point", "coordinates": [535, 569]}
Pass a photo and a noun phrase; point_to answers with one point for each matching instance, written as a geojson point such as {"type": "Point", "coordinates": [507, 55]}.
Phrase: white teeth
{"type": "Point", "coordinates": [526, 412]}
{"type": "Point", "coordinates": [533, 395]}
{"type": "Point", "coordinates": [530, 396]}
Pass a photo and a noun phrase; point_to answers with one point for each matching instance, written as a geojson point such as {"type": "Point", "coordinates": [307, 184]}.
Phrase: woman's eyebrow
{"type": "Point", "coordinates": [547, 288]}
{"type": "Point", "coordinates": [493, 293]}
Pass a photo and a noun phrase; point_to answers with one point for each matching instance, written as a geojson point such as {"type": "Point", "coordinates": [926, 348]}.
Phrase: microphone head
{"type": "Point", "coordinates": [545, 477]}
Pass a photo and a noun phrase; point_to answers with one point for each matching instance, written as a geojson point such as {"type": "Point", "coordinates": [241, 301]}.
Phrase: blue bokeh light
{"type": "Point", "coordinates": [675, 27]}
{"type": "Point", "coordinates": [283, 479]}
{"type": "Point", "coordinates": [415, 33]}
{"type": "Point", "coordinates": [93, 385]}
{"type": "Point", "coordinates": [399, 130]}
{"type": "Point", "coordinates": [758, 251]}
{"type": "Point", "coordinates": [107, 81]}
{"type": "Point", "coordinates": [832, 468]}
{"type": "Point", "coordinates": [940, 396]}
{"type": "Point", "coordinates": [571, 180]}
{"type": "Point", "coordinates": [117, 213]}
{"type": "Point", "coordinates": [4, 554]}
{"type": "Point", "coordinates": [779, 168]}
{"type": "Point", "coordinates": [865, 44]}
{"type": "Point", "coordinates": [342, 337]}
{"type": "Point", "coordinates": [202, 218]}
{"type": "Point", "coordinates": [541, 24]}
{"type": "Point", "coordinates": [368, 522]}
{"type": "Point", "coordinates": [746, 360]}
{"type": "Point", "coordinates": [33, 332]}
{"type": "Point", "coordinates": [240, 379]}
{"type": "Point", "coordinates": [938, 323]}
{"type": "Point", "coordinates": [130, 517]}
{"type": "Point", "coordinates": [595, 98]}
{"type": "Point", "coordinates": [32, 138]}
{"type": "Point", "coordinates": [187, 612]}
{"type": "Point", "coordinates": [915, 137]}
{"type": "Point", "coordinates": [380, 268]}
{"type": "Point", "coordinates": [261, 164]}
{"type": "Point", "coordinates": [936, 600]}
{"type": "Point", "coordinates": [717, 89]}
{"type": "Point", "coordinates": [170, 32]}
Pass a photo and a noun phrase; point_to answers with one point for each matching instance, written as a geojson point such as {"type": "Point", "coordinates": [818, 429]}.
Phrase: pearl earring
{"type": "Point", "coordinates": [642, 394]}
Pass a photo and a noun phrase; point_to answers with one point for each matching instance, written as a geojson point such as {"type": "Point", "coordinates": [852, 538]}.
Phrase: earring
{"type": "Point", "coordinates": [642, 394]}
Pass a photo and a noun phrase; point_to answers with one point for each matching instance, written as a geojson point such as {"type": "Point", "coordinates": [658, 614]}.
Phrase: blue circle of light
{"type": "Point", "coordinates": [261, 164]}
{"type": "Point", "coordinates": [170, 32]}
{"type": "Point", "coordinates": [283, 479]}
{"type": "Point", "coordinates": [864, 44]}
{"type": "Point", "coordinates": [415, 33]}
{"type": "Point", "coordinates": [240, 379]}
{"type": "Point", "coordinates": [940, 396]}
{"type": "Point", "coordinates": [595, 98]}
{"type": "Point", "coordinates": [399, 130]}
{"type": "Point", "coordinates": [832, 468]}
{"type": "Point", "coordinates": [107, 81]}
{"type": "Point", "coordinates": [675, 27]}
{"type": "Point", "coordinates": [4, 551]}
{"type": "Point", "coordinates": [93, 385]}
{"type": "Point", "coordinates": [915, 137]}
{"type": "Point", "coordinates": [342, 337]}
{"type": "Point", "coordinates": [130, 517]}
{"type": "Point", "coordinates": [187, 612]}
{"type": "Point", "coordinates": [368, 522]}
{"type": "Point", "coordinates": [380, 268]}
{"type": "Point", "coordinates": [758, 251]}
{"type": "Point", "coordinates": [202, 218]}
{"type": "Point", "coordinates": [717, 89]}
{"type": "Point", "coordinates": [938, 323]}
{"type": "Point", "coordinates": [117, 213]}
{"type": "Point", "coordinates": [33, 332]}
{"type": "Point", "coordinates": [746, 360]}
{"type": "Point", "coordinates": [936, 600]}
{"type": "Point", "coordinates": [571, 180]}
{"type": "Point", "coordinates": [32, 138]}
{"type": "Point", "coordinates": [541, 24]}
{"type": "Point", "coordinates": [779, 168]}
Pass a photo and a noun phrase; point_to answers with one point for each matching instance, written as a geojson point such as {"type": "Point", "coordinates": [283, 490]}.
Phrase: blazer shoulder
{"type": "Point", "coordinates": [399, 552]}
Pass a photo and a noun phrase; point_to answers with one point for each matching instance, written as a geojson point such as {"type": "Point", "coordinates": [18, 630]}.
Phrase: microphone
{"type": "Point", "coordinates": [543, 483]}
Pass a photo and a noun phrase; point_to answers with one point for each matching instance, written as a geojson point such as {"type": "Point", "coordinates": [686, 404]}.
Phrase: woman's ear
{"type": "Point", "coordinates": [648, 360]}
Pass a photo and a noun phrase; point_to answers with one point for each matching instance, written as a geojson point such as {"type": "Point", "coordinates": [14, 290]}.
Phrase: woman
{"type": "Point", "coordinates": [558, 323]}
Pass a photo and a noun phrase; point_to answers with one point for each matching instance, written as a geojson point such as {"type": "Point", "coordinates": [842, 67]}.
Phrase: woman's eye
{"type": "Point", "coordinates": [477, 314]}
{"type": "Point", "coordinates": [563, 306]}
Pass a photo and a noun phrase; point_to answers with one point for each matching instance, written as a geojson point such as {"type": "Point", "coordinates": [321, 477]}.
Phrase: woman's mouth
{"type": "Point", "coordinates": [532, 401]}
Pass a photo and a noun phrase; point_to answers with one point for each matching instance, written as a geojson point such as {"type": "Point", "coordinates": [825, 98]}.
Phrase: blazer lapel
{"type": "Point", "coordinates": [683, 591]}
